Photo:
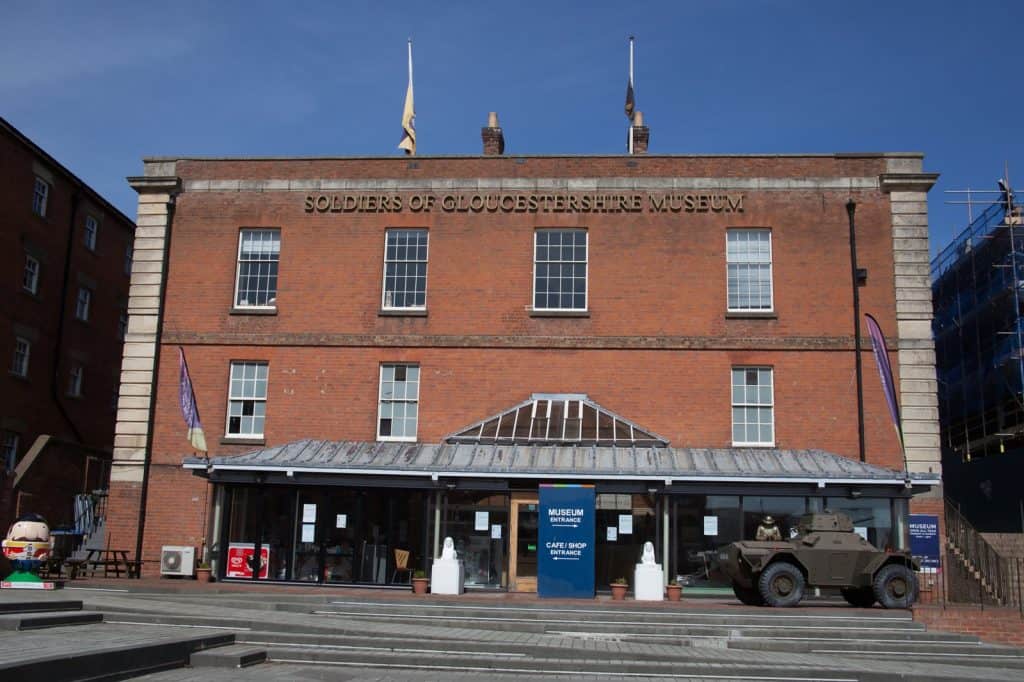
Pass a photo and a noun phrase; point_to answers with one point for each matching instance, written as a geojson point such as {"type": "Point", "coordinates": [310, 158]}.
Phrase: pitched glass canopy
{"type": "Point", "coordinates": [558, 418]}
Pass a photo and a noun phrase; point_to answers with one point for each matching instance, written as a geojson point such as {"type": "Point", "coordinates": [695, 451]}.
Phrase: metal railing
{"type": "Point", "coordinates": [998, 577]}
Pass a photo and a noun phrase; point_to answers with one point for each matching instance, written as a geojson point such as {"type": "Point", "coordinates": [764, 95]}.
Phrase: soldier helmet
{"type": "Point", "coordinates": [768, 520]}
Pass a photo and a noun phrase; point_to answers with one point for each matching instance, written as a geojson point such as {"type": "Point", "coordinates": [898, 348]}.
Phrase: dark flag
{"type": "Point", "coordinates": [885, 372]}
{"type": "Point", "coordinates": [189, 410]}
{"type": "Point", "coordinates": [630, 104]}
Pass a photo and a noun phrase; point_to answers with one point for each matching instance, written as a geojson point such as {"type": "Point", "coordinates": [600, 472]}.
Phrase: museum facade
{"type": "Point", "coordinates": [386, 352]}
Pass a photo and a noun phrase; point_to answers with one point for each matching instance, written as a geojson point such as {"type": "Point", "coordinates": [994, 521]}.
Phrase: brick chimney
{"type": "Point", "coordinates": [641, 134]}
{"type": "Point", "coordinates": [494, 139]}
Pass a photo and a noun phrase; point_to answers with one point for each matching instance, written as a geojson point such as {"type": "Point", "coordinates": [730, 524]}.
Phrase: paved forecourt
{"type": "Point", "coordinates": [343, 634]}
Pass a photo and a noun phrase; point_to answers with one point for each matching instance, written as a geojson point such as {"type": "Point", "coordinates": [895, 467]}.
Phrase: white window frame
{"type": "Point", "coordinates": [22, 355]}
{"type": "Point", "coordinates": [82, 303]}
{"type": "Point", "coordinates": [241, 397]}
{"type": "Point", "coordinates": [40, 196]}
{"type": "Point", "coordinates": [381, 400]}
{"type": "Point", "coordinates": [272, 300]}
{"type": "Point", "coordinates": [9, 451]}
{"type": "Point", "coordinates": [75, 381]}
{"type": "Point", "coordinates": [92, 227]}
{"type": "Point", "coordinates": [771, 269]}
{"type": "Point", "coordinates": [384, 304]}
{"type": "Point", "coordinates": [586, 271]}
{"type": "Point", "coordinates": [30, 275]}
{"type": "Point", "coordinates": [733, 404]}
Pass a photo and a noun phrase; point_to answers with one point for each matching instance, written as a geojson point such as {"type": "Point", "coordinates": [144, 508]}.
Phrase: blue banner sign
{"type": "Point", "coordinates": [924, 540]}
{"type": "Point", "coordinates": [565, 562]}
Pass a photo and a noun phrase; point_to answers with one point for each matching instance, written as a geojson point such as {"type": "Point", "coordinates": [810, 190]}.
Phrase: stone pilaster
{"type": "Point", "coordinates": [157, 189]}
{"type": "Point", "coordinates": [908, 189]}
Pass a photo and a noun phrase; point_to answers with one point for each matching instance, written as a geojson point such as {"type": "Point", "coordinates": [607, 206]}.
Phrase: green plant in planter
{"type": "Point", "coordinates": [620, 581]}
{"type": "Point", "coordinates": [419, 574]}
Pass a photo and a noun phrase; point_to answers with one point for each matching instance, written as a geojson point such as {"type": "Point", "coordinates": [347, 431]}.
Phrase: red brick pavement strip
{"type": "Point", "coordinates": [995, 625]}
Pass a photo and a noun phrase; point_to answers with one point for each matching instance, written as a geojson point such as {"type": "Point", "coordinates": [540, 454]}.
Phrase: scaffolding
{"type": "Point", "coordinates": [977, 293]}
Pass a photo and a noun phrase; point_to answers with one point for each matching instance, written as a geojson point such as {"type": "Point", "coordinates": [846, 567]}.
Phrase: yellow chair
{"type": "Point", "coordinates": [402, 565]}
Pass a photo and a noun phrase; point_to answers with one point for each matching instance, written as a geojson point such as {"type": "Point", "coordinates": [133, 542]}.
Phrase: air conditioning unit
{"type": "Point", "coordinates": [177, 560]}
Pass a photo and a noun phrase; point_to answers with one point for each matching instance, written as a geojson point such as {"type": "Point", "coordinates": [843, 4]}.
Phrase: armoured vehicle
{"type": "Point", "coordinates": [826, 552]}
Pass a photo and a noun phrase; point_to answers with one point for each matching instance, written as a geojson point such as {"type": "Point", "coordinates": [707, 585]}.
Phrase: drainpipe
{"type": "Point", "coordinates": [62, 310]}
{"type": "Point", "coordinates": [851, 207]}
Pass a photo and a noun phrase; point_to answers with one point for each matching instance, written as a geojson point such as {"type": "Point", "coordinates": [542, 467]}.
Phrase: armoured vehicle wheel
{"type": "Point", "coordinates": [781, 584]}
{"type": "Point", "coordinates": [895, 586]}
{"type": "Point", "coordinates": [747, 595]}
{"type": "Point", "coordinates": [861, 597]}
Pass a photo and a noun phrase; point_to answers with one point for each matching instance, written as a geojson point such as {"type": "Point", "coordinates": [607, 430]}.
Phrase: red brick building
{"type": "Point", "coordinates": [66, 258]}
{"type": "Point", "coordinates": [389, 351]}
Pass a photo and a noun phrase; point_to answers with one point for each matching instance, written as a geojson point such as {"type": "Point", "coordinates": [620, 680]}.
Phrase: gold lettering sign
{"type": "Point", "coordinates": [588, 202]}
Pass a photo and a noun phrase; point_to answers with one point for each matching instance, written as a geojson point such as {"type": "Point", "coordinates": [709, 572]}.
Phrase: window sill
{"type": "Point", "coordinates": [751, 315]}
{"type": "Point", "coordinates": [253, 311]}
{"type": "Point", "coordinates": [19, 377]}
{"type": "Point", "coordinates": [389, 439]}
{"type": "Point", "coordinates": [402, 312]}
{"type": "Point", "coordinates": [559, 313]}
{"type": "Point", "coordinates": [228, 440]}
{"type": "Point", "coordinates": [754, 445]}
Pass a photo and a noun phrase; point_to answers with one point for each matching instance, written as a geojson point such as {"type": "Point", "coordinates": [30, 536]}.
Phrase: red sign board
{"type": "Point", "coordinates": [240, 560]}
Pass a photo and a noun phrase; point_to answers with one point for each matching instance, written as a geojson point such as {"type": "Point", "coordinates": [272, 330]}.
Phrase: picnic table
{"type": "Point", "coordinates": [110, 561]}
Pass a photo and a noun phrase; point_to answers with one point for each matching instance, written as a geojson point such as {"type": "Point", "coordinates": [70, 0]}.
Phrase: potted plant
{"type": "Point", "coordinates": [619, 586]}
{"type": "Point", "coordinates": [204, 573]}
{"type": "Point", "coordinates": [419, 582]}
{"type": "Point", "coordinates": [674, 591]}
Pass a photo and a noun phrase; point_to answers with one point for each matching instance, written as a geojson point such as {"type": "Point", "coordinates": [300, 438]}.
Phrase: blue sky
{"type": "Point", "coordinates": [99, 85]}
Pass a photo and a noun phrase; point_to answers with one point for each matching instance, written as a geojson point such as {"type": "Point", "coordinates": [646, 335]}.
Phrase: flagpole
{"type": "Point", "coordinates": [630, 131]}
{"type": "Point", "coordinates": [410, 60]}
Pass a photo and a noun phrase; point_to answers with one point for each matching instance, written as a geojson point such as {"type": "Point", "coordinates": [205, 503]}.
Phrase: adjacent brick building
{"type": "Point", "coordinates": [66, 258]}
{"type": "Point", "coordinates": [389, 351]}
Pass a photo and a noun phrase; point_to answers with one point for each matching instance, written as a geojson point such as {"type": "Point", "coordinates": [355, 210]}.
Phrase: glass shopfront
{"type": "Point", "coordinates": [379, 536]}
{"type": "Point", "coordinates": [700, 524]}
{"type": "Point", "coordinates": [623, 524]}
{"type": "Point", "coordinates": [370, 536]}
{"type": "Point", "coordinates": [478, 524]}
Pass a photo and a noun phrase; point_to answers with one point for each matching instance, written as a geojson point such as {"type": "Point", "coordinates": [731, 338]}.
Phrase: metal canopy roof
{"type": "Point", "coordinates": [444, 460]}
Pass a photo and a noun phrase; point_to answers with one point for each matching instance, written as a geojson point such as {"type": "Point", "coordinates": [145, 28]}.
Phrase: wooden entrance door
{"type": "Point", "coordinates": [523, 541]}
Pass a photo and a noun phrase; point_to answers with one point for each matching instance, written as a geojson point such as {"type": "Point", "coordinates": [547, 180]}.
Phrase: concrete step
{"type": "Point", "coordinates": [726, 617]}
{"type": "Point", "coordinates": [966, 660]}
{"type": "Point", "coordinates": [40, 605]}
{"type": "Point", "coordinates": [551, 647]}
{"type": "Point", "coordinates": [41, 619]}
{"type": "Point", "coordinates": [627, 665]}
{"type": "Point", "coordinates": [677, 628]}
{"type": "Point", "coordinates": [111, 662]}
{"type": "Point", "coordinates": [861, 646]}
{"type": "Point", "coordinates": [232, 656]}
{"type": "Point", "coordinates": [485, 664]}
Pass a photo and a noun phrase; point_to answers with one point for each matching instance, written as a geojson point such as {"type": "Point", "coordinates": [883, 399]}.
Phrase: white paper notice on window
{"type": "Point", "coordinates": [625, 524]}
{"type": "Point", "coordinates": [309, 513]}
{"type": "Point", "coordinates": [613, 533]}
{"type": "Point", "coordinates": [710, 525]}
{"type": "Point", "coordinates": [861, 531]}
{"type": "Point", "coordinates": [341, 521]}
{"type": "Point", "coordinates": [496, 532]}
{"type": "Point", "coordinates": [308, 532]}
{"type": "Point", "coordinates": [482, 521]}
